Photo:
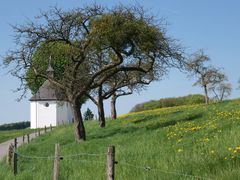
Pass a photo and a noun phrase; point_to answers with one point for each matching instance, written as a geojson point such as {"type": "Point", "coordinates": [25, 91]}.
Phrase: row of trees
{"type": "Point", "coordinates": [100, 53]}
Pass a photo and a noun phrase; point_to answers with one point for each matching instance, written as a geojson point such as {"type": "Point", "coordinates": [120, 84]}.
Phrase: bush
{"type": "Point", "coordinates": [169, 102]}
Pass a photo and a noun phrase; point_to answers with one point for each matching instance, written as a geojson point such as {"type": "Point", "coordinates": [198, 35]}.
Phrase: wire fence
{"type": "Point", "coordinates": [136, 167]}
{"type": "Point", "coordinates": [107, 158]}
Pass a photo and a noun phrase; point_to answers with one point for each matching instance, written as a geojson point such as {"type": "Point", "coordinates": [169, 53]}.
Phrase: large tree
{"type": "Point", "coordinates": [207, 75]}
{"type": "Point", "coordinates": [100, 42]}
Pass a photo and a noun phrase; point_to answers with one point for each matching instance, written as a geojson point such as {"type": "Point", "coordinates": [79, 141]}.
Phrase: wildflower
{"type": "Point", "coordinates": [212, 151]}
{"type": "Point", "coordinates": [230, 149]}
{"type": "Point", "coordinates": [180, 140]}
{"type": "Point", "coordinates": [180, 150]}
{"type": "Point", "coordinates": [225, 158]}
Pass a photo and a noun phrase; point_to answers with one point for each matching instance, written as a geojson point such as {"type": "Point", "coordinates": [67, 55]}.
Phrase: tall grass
{"type": "Point", "coordinates": [187, 142]}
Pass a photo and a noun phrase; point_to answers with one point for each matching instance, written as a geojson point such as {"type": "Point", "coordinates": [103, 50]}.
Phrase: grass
{"type": "Point", "coordinates": [6, 135]}
{"type": "Point", "coordinates": [187, 142]}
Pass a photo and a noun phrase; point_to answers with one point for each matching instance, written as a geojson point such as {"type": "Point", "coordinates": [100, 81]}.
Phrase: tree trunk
{"type": "Point", "coordinates": [113, 107]}
{"type": "Point", "coordinates": [206, 94]}
{"type": "Point", "coordinates": [80, 134]}
{"type": "Point", "coordinates": [101, 114]}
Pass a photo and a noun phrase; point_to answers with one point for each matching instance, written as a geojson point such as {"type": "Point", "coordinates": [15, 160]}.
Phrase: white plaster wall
{"type": "Point", "coordinates": [55, 114]}
{"type": "Point", "coordinates": [33, 110]}
{"type": "Point", "coordinates": [64, 114]}
{"type": "Point", "coordinates": [46, 115]}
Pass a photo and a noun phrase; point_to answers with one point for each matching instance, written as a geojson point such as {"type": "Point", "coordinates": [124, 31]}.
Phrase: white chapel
{"type": "Point", "coordinates": [47, 106]}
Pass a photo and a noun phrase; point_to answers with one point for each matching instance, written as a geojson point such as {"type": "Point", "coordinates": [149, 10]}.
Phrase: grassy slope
{"type": "Point", "coordinates": [195, 140]}
{"type": "Point", "coordinates": [6, 135]}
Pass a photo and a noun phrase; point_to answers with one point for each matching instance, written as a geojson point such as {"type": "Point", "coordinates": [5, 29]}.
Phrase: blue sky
{"type": "Point", "coordinates": [209, 25]}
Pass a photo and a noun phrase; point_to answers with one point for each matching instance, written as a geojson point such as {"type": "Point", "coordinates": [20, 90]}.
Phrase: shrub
{"type": "Point", "coordinates": [169, 102]}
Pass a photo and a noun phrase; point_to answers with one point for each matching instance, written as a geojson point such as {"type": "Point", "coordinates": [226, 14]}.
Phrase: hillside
{"type": "Point", "coordinates": [185, 142]}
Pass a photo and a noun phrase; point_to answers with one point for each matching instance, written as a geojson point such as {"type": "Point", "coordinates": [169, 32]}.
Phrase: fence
{"type": "Point", "coordinates": [110, 162]}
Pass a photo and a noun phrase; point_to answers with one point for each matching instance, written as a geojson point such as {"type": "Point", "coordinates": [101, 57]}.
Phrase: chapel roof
{"type": "Point", "coordinates": [47, 93]}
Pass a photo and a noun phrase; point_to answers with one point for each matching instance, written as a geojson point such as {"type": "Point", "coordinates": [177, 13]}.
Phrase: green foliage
{"type": "Point", "coordinates": [169, 102]}
{"type": "Point", "coordinates": [60, 54]}
{"type": "Point", "coordinates": [88, 115]}
{"type": "Point", "coordinates": [179, 143]}
{"type": "Point", "coordinates": [18, 125]}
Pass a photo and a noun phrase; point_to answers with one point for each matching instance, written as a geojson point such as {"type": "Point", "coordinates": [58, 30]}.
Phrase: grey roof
{"type": "Point", "coordinates": [47, 93]}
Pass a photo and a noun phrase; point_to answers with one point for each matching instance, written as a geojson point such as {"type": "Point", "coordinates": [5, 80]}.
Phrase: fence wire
{"type": "Point", "coordinates": [146, 168]}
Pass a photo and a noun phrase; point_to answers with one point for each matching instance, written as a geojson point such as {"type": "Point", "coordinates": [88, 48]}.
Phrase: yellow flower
{"type": "Point", "coordinates": [234, 151]}
{"type": "Point", "coordinates": [230, 149]}
{"type": "Point", "coordinates": [225, 158]}
{"type": "Point", "coordinates": [238, 148]}
{"type": "Point", "coordinates": [180, 140]}
{"type": "Point", "coordinates": [180, 150]}
{"type": "Point", "coordinates": [212, 151]}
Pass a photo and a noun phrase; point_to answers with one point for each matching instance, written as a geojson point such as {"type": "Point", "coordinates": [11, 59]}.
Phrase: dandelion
{"type": "Point", "coordinates": [180, 150]}
{"type": "Point", "coordinates": [212, 151]}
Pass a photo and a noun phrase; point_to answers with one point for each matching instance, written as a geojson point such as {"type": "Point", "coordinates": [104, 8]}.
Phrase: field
{"type": "Point", "coordinates": [6, 135]}
{"type": "Point", "coordinates": [185, 142]}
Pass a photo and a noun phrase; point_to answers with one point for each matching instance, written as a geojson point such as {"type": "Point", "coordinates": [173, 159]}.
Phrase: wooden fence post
{"type": "Point", "coordinates": [56, 167]}
{"type": "Point", "coordinates": [39, 132]}
{"type": "Point", "coordinates": [23, 138]}
{"type": "Point", "coordinates": [10, 154]}
{"type": "Point", "coordinates": [45, 129]}
{"type": "Point", "coordinates": [28, 138]}
{"type": "Point", "coordinates": [15, 162]}
{"type": "Point", "coordinates": [51, 127]}
{"type": "Point", "coordinates": [110, 162]}
{"type": "Point", "coordinates": [15, 143]}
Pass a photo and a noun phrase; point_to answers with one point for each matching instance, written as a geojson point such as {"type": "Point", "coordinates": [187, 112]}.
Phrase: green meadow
{"type": "Point", "coordinates": [185, 142]}
{"type": "Point", "coordinates": [6, 135]}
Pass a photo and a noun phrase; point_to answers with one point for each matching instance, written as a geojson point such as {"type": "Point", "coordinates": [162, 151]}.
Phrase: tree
{"type": "Point", "coordinates": [207, 76]}
{"type": "Point", "coordinates": [88, 115]}
{"type": "Point", "coordinates": [121, 84]}
{"type": "Point", "coordinates": [100, 42]}
{"type": "Point", "coordinates": [221, 90]}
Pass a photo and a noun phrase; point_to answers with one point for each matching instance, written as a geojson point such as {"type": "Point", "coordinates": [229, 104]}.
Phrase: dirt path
{"type": "Point", "coordinates": [4, 146]}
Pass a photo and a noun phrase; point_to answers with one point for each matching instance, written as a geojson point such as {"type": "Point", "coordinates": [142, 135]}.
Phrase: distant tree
{"type": "Point", "coordinates": [88, 115]}
{"type": "Point", "coordinates": [12, 126]}
{"type": "Point", "coordinates": [207, 76]}
{"type": "Point", "coordinates": [221, 90]}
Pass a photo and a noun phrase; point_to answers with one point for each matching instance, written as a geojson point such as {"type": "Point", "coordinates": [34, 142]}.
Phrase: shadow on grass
{"type": "Point", "coordinates": [117, 131]}
{"type": "Point", "coordinates": [174, 122]}
{"type": "Point", "coordinates": [106, 133]}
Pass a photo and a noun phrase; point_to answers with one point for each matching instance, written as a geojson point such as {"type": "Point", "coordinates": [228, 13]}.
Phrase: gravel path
{"type": "Point", "coordinates": [4, 146]}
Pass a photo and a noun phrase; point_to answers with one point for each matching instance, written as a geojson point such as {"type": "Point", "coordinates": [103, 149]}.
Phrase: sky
{"type": "Point", "coordinates": [209, 25]}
